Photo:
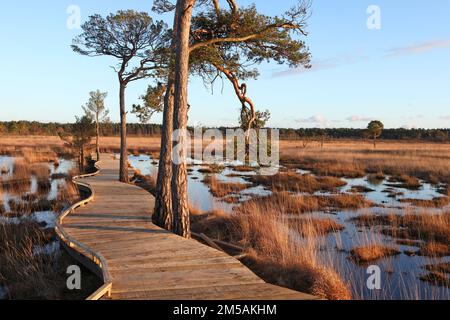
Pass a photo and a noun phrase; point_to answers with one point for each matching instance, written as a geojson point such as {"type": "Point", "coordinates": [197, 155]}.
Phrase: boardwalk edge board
{"type": "Point", "coordinates": [79, 251]}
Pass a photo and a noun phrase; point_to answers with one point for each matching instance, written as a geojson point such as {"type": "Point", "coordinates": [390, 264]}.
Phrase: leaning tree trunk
{"type": "Point", "coordinates": [181, 223]}
{"type": "Point", "coordinates": [374, 141]}
{"type": "Point", "coordinates": [123, 171]}
{"type": "Point", "coordinates": [163, 215]}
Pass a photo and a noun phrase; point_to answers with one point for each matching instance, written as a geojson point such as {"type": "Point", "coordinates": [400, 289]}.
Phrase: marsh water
{"type": "Point", "coordinates": [47, 218]}
{"type": "Point", "coordinates": [400, 273]}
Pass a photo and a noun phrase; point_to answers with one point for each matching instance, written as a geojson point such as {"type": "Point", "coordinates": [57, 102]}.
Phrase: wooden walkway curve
{"type": "Point", "coordinates": [147, 262]}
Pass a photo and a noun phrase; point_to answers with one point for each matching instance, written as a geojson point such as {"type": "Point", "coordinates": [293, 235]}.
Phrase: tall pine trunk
{"type": "Point", "coordinates": [163, 215]}
{"type": "Point", "coordinates": [181, 223]}
{"type": "Point", "coordinates": [123, 173]}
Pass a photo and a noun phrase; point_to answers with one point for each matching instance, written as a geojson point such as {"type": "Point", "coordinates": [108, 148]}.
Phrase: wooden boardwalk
{"type": "Point", "coordinates": [147, 262]}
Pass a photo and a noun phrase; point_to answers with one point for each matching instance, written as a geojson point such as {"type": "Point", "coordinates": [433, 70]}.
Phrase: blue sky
{"type": "Point", "coordinates": [399, 74]}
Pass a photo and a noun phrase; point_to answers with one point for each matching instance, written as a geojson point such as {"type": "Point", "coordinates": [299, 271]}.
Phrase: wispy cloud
{"type": "Point", "coordinates": [352, 58]}
{"type": "Point", "coordinates": [445, 118]}
{"type": "Point", "coordinates": [359, 119]}
{"type": "Point", "coordinates": [419, 48]}
{"type": "Point", "coordinates": [324, 64]}
{"type": "Point", "coordinates": [318, 120]}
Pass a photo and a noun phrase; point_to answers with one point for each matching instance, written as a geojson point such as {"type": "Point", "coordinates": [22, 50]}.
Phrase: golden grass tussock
{"type": "Point", "coordinates": [434, 249]}
{"type": "Point", "coordinates": [372, 252]}
{"type": "Point", "coordinates": [216, 224]}
{"type": "Point", "coordinates": [300, 274]}
{"type": "Point", "coordinates": [292, 181]}
{"type": "Point", "coordinates": [344, 201]}
{"type": "Point", "coordinates": [417, 226]}
{"type": "Point", "coordinates": [242, 168]}
{"type": "Point", "coordinates": [287, 203]}
{"type": "Point", "coordinates": [310, 227]}
{"type": "Point", "coordinates": [277, 257]}
{"type": "Point", "coordinates": [438, 202]}
{"type": "Point", "coordinates": [274, 252]}
{"type": "Point", "coordinates": [221, 189]}
{"type": "Point", "coordinates": [211, 168]}
{"type": "Point", "coordinates": [405, 181]}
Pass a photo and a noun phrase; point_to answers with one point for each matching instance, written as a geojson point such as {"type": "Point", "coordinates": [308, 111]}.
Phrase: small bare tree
{"type": "Point", "coordinates": [96, 109]}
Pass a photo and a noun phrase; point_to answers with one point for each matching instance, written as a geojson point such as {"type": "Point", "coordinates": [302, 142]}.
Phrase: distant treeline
{"type": "Point", "coordinates": [137, 129]}
{"type": "Point", "coordinates": [52, 128]}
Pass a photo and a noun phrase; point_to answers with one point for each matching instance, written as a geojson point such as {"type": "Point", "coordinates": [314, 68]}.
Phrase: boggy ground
{"type": "Point", "coordinates": [34, 188]}
{"type": "Point", "coordinates": [403, 160]}
{"type": "Point", "coordinates": [284, 237]}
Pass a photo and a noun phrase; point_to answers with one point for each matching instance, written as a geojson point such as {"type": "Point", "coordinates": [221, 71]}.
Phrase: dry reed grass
{"type": "Point", "coordinates": [222, 189]}
{"type": "Point", "coordinates": [310, 227]}
{"type": "Point", "coordinates": [295, 204]}
{"type": "Point", "coordinates": [443, 267]}
{"type": "Point", "coordinates": [25, 274]}
{"type": "Point", "coordinates": [405, 181]}
{"type": "Point", "coordinates": [274, 252]}
{"type": "Point", "coordinates": [372, 252]}
{"type": "Point", "coordinates": [439, 202]}
{"type": "Point", "coordinates": [243, 169]}
{"type": "Point", "coordinates": [278, 257]}
{"type": "Point", "coordinates": [434, 249]}
{"type": "Point", "coordinates": [428, 231]}
{"type": "Point", "coordinates": [428, 161]}
{"type": "Point", "coordinates": [292, 181]}
{"type": "Point", "coordinates": [30, 275]}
